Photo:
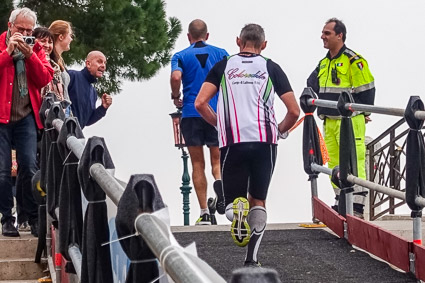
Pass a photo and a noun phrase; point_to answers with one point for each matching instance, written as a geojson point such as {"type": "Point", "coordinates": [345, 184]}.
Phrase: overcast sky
{"type": "Point", "coordinates": [389, 34]}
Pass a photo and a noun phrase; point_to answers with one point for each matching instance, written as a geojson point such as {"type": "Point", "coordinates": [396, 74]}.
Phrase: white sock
{"type": "Point", "coordinates": [204, 211]}
{"type": "Point", "coordinates": [229, 211]}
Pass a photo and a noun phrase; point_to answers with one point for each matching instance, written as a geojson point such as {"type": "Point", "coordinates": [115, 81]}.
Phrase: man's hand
{"type": "Point", "coordinates": [178, 102]}
{"type": "Point", "coordinates": [13, 42]}
{"type": "Point", "coordinates": [106, 100]}
{"type": "Point", "coordinates": [367, 119]}
{"type": "Point", "coordinates": [25, 49]}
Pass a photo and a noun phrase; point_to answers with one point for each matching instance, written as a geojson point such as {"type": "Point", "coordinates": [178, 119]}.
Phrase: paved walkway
{"type": "Point", "coordinates": [401, 225]}
{"type": "Point", "coordinates": [297, 254]}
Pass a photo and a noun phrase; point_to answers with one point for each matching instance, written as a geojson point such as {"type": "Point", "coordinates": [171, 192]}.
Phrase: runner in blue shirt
{"type": "Point", "coordinates": [190, 68]}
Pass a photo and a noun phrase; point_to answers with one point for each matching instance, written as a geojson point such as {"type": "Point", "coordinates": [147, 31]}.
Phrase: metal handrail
{"type": "Point", "coordinates": [177, 264]}
{"type": "Point", "coordinates": [420, 201]}
{"type": "Point", "coordinates": [76, 257]}
{"type": "Point", "coordinates": [360, 107]}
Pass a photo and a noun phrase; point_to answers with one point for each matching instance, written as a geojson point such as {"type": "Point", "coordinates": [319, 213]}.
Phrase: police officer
{"type": "Point", "coordinates": [343, 70]}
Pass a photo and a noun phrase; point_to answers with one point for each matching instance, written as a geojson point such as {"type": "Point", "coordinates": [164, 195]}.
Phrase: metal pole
{"type": "Point", "coordinates": [359, 107]}
{"type": "Point", "coordinates": [76, 258]}
{"type": "Point", "coordinates": [175, 262]}
{"type": "Point", "coordinates": [58, 258]}
{"type": "Point", "coordinates": [107, 182]}
{"type": "Point", "coordinates": [76, 145]}
{"type": "Point", "coordinates": [419, 114]}
{"type": "Point", "coordinates": [57, 123]}
{"type": "Point", "coordinates": [185, 188]}
{"type": "Point", "coordinates": [349, 203]}
{"type": "Point", "coordinates": [313, 184]}
{"type": "Point", "coordinates": [48, 233]}
{"type": "Point", "coordinates": [321, 169]}
{"type": "Point", "coordinates": [365, 183]}
{"type": "Point", "coordinates": [377, 187]}
{"type": "Point", "coordinates": [417, 230]}
{"type": "Point", "coordinates": [420, 201]}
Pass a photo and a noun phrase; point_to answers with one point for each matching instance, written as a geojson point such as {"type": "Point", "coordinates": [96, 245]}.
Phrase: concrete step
{"type": "Point", "coordinates": [21, 269]}
{"type": "Point", "coordinates": [17, 259]}
{"type": "Point", "coordinates": [24, 246]}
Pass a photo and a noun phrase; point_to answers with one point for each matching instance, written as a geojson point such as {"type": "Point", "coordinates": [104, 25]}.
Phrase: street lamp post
{"type": "Point", "coordinates": [180, 144]}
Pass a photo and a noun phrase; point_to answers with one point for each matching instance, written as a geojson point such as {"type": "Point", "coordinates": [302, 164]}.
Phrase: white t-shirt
{"type": "Point", "coordinates": [247, 83]}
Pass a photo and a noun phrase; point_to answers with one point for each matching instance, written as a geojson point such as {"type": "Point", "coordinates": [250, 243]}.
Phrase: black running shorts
{"type": "Point", "coordinates": [197, 132]}
{"type": "Point", "coordinates": [247, 167]}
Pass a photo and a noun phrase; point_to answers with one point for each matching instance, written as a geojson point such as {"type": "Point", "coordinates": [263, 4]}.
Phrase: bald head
{"type": "Point", "coordinates": [96, 63]}
{"type": "Point", "coordinates": [198, 30]}
{"type": "Point", "coordinates": [94, 54]}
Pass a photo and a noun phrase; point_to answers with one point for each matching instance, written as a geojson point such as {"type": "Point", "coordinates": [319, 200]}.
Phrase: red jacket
{"type": "Point", "coordinates": [39, 73]}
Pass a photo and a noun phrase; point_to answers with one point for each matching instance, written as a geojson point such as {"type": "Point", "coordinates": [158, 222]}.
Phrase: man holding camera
{"type": "Point", "coordinates": [24, 70]}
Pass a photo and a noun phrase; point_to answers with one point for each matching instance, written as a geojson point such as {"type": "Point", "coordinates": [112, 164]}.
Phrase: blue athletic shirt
{"type": "Point", "coordinates": [194, 63]}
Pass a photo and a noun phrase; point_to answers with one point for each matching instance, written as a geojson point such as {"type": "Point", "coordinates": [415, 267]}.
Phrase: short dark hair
{"type": "Point", "coordinates": [42, 32]}
{"type": "Point", "coordinates": [339, 27]}
{"type": "Point", "coordinates": [253, 33]}
{"type": "Point", "coordinates": [198, 29]}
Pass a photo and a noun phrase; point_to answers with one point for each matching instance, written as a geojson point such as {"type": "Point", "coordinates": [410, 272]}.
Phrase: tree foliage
{"type": "Point", "coordinates": [5, 8]}
{"type": "Point", "coordinates": [135, 35]}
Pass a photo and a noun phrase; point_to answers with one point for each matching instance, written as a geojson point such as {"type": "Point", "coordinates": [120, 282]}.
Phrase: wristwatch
{"type": "Point", "coordinates": [173, 97]}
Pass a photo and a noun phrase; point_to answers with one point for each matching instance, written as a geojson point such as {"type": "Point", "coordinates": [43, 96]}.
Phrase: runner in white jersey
{"type": "Point", "coordinates": [248, 133]}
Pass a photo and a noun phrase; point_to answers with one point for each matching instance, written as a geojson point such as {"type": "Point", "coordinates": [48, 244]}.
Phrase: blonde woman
{"type": "Point", "coordinates": [62, 38]}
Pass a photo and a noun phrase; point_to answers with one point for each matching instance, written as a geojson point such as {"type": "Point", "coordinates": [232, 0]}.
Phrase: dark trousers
{"type": "Point", "coordinates": [23, 135]}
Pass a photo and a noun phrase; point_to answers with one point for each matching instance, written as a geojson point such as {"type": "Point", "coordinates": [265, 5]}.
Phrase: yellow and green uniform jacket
{"type": "Point", "coordinates": [347, 71]}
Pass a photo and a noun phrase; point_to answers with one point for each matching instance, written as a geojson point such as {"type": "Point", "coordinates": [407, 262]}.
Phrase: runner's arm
{"type": "Point", "coordinates": [293, 113]}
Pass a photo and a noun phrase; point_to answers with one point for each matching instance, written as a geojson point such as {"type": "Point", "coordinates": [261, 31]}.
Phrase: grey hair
{"type": "Point", "coordinates": [253, 33]}
{"type": "Point", "coordinates": [24, 12]}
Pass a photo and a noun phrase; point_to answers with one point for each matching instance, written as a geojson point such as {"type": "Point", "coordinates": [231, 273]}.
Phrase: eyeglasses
{"type": "Point", "coordinates": [23, 30]}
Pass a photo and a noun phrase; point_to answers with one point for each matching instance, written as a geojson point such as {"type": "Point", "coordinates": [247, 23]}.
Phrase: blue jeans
{"type": "Point", "coordinates": [23, 135]}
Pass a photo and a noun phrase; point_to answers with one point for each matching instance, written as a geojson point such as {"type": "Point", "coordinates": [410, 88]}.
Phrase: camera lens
{"type": "Point", "coordinates": [29, 40]}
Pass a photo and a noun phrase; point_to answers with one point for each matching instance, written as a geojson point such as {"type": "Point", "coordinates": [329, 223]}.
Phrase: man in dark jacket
{"type": "Point", "coordinates": [24, 70]}
{"type": "Point", "coordinates": [82, 93]}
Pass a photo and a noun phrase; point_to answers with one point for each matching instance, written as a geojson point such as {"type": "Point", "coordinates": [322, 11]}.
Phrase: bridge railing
{"type": "Point", "coordinates": [345, 177]}
{"type": "Point", "coordinates": [87, 166]}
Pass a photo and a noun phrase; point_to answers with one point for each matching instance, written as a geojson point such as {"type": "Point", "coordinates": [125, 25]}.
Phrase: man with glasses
{"type": "Point", "coordinates": [343, 70]}
{"type": "Point", "coordinates": [24, 70]}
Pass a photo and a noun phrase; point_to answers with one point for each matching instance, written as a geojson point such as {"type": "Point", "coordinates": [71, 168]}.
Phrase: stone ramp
{"type": "Point", "coordinates": [297, 254]}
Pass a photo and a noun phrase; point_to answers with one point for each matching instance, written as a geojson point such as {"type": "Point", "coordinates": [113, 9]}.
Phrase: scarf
{"type": "Point", "coordinates": [20, 71]}
{"type": "Point", "coordinates": [56, 84]}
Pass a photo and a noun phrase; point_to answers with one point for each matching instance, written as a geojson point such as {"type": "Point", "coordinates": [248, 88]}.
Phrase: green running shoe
{"type": "Point", "coordinates": [240, 230]}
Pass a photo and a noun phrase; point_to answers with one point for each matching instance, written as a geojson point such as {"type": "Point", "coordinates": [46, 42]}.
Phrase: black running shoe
{"type": "Point", "coordinates": [251, 264]}
{"type": "Point", "coordinates": [212, 205]}
{"type": "Point", "coordinates": [211, 208]}
{"type": "Point", "coordinates": [9, 229]}
{"type": "Point", "coordinates": [203, 220]}
{"type": "Point", "coordinates": [218, 189]}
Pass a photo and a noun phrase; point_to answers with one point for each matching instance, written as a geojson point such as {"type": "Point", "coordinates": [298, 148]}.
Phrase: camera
{"type": "Point", "coordinates": [30, 40]}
